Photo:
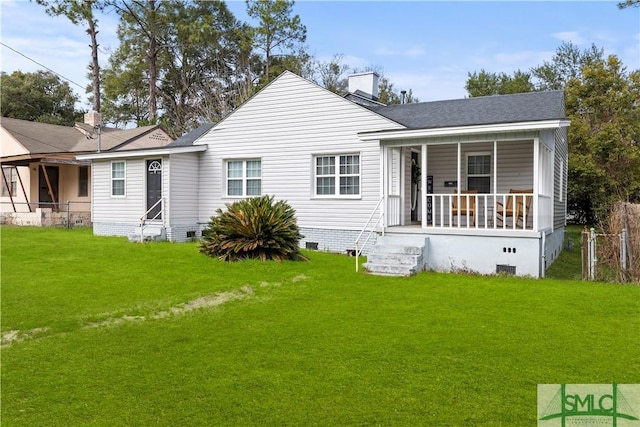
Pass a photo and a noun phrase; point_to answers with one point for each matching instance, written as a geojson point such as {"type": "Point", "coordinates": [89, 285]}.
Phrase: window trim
{"type": "Point", "coordinates": [244, 178]}
{"type": "Point", "coordinates": [336, 176]}
{"type": "Point", "coordinates": [483, 175]}
{"type": "Point", "coordinates": [123, 179]}
{"type": "Point", "coordinates": [12, 180]}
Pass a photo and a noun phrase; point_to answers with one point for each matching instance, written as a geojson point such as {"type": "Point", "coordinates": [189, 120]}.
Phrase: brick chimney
{"type": "Point", "coordinates": [365, 84]}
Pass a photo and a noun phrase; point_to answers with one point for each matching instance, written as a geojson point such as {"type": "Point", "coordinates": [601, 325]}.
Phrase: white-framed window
{"type": "Point", "coordinates": [337, 175]}
{"type": "Point", "coordinates": [244, 178]}
{"type": "Point", "coordinates": [11, 177]}
{"type": "Point", "coordinates": [118, 179]}
{"type": "Point", "coordinates": [479, 172]}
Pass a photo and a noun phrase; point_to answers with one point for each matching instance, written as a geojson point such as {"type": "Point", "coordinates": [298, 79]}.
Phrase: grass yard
{"type": "Point", "coordinates": [101, 332]}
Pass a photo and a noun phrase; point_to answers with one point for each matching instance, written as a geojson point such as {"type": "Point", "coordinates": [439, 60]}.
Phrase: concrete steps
{"type": "Point", "coordinates": [152, 232]}
{"type": "Point", "coordinates": [397, 256]}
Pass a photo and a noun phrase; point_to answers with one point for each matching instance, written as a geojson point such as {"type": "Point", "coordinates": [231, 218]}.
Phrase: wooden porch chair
{"type": "Point", "coordinates": [464, 210]}
{"type": "Point", "coordinates": [523, 206]}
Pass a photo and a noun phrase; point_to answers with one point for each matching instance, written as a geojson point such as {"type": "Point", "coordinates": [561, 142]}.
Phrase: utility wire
{"type": "Point", "coordinates": [42, 65]}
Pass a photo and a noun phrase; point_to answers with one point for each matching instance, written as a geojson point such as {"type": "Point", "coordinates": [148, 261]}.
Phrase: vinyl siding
{"type": "Point", "coordinates": [183, 187]}
{"type": "Point", "coordinates": [284, 126]}
{"type": "Point", "coordinates": [560, 182]}
{"type": "Point", "coordinates": [119, 209]}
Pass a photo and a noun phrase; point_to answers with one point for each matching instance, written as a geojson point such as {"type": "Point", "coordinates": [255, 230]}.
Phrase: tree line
{"type": "Point", "coordinates": [180, 63]}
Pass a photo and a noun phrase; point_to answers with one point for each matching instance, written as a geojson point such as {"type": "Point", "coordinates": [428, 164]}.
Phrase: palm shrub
{"type": "Point", "coordinates": [253, 228]}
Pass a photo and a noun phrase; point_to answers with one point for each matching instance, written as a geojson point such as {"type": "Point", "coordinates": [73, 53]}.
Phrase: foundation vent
{"type": "Point", "coordinates": [505, 269]}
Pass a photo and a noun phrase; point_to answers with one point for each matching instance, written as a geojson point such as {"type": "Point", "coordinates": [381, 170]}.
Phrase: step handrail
{"type": "Point", "coordinates": [142, 218]}
{"type": "Point", "coordinates": [370, 233]}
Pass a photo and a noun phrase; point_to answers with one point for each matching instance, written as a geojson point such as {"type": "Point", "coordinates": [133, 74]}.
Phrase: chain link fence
{"type": "Point", "coordinates": [67, 214]}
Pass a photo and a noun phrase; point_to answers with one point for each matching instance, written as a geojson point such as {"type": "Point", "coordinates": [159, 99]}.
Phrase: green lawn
{"type": "Point", "coordinates": [105, 332]}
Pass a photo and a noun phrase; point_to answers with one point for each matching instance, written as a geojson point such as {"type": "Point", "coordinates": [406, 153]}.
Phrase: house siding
{"type": "Point", "coordinates": [285, 125]}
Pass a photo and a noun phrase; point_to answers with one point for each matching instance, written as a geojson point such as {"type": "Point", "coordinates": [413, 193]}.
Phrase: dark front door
{"type": "Point", "coordinates": [48, 186]}
{"type": "Point", "coordinates": [154, 188]}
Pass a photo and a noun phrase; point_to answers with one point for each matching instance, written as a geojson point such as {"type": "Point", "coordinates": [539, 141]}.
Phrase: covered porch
{"type": "Point", "coordinates": [488, 184]}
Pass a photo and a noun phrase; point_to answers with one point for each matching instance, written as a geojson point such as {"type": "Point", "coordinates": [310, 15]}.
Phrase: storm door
{"type": "Point", "coordinates": [154, 188]}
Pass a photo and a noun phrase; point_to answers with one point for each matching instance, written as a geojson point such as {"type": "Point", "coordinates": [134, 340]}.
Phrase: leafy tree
{"type": "Point", "coordinates": [253, 228]}
{"type": "Point", "coordinates": [487, 83]}
{"type": "Point", "coordinates": [277, 32]}
{"type": "Point", "coordinates": [81, 12]}
{"type": "Point", "coordinates": [629, 3]}
{"type": "Point", "coordinates": [41, 96]}
{"type": "Point", "coordinates": [604, 147]}
{"type": "Point", "coordinates": [567, 63]}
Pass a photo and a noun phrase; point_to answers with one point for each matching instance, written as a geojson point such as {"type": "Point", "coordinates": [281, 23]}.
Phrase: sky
{"type": "Point", "coordinates": [426, 46]}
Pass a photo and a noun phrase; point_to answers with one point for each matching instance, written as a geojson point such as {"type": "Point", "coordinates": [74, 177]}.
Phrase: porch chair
{"type": "Point", "coordinates": [463, 210]}
{"type": "Point", "coordinates": [523, 206]}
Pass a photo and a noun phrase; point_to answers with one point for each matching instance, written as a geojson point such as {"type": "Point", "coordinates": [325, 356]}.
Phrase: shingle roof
{"type": "Point", "coordinates": [522, 107]}
{"type": "Point", "coordinates": [43, 138]}
{"type": "Point", "coordinates": [190, 137]}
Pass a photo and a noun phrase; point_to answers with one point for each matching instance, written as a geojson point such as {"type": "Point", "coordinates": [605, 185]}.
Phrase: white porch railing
{"type": "Point", "coordinates": [393, 210]}
{"type": "Point", "coordinates": [144, 220]}
{"type": "Point", "coordinates": [510, 211]}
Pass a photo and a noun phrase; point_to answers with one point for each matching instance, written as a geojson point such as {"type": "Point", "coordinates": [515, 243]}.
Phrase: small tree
{"type": "Point", "coordinates": [253, 228]}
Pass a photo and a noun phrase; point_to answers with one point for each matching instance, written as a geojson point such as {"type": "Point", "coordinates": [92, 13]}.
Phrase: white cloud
{"type": "Point", "coordinates": [569, 36]}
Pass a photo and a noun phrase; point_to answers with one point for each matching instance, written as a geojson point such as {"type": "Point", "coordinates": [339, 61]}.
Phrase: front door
{"type": "Point", "coordinates": [48, 186]}
{"type": "Point", "coordinates": [154, 188]}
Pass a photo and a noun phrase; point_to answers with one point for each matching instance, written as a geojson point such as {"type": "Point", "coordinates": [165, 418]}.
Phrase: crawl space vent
{"type": "Point", "coordinates": [505, 269]}
{"type": "Point", "coordinates": [312, 245]}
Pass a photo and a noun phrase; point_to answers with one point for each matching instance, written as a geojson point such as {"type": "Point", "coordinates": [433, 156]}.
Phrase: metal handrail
{"type": "Point", "coordinates": [364, 229]}
{"type": "Point", "coordinates": [142, 218]}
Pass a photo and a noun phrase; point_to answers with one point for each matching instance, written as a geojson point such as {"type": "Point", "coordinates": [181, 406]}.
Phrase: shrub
{"type": "Point", "coordinates": [253, 228]}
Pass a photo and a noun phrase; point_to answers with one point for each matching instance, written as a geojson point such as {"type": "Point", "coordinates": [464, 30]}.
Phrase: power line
{"type": "Point", "coordinates": [42, 65]}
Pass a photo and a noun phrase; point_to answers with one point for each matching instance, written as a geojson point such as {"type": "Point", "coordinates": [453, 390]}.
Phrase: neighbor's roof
{"type": "Point", "coordinates": [43, 138]}
{"type": "Point", "coordinates": [485, 110]}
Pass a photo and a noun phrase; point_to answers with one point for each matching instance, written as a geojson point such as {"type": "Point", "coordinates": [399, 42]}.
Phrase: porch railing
{"type": "Point", "coordinates": [368, 230]}
{"type": "Point", "coordinates": [513, 211]}
{"type": "Point", "coordinates": [144, 221]}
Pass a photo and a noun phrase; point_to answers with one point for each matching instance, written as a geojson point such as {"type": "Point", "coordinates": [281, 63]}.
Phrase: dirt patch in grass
{"type": "Point", "coordinates": [9, 337]}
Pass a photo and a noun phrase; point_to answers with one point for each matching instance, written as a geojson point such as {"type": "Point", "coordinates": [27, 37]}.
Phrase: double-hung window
{"type": "Point", "coordinates": [479, 172]}
{"type": "Point", "coordinates": [244, 178]}
{"type": "Point", "coordinates": [337, 175]}
{"type": "Point", "coordinates": [118, 179]}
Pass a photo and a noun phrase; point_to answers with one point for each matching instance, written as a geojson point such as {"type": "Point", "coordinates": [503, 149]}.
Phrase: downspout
{"type": "Point", "coordinates": [543, 257]}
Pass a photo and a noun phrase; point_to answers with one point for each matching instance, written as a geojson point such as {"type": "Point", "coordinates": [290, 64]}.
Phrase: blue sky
{"type": "Point", "coordinates": [425, 46]}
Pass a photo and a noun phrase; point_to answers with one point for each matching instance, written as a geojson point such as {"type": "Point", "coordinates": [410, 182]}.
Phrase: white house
{"type": "Point", "coordinates": [479, 183]}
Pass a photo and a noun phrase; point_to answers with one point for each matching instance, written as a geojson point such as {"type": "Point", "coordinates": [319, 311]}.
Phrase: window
{"type": "Point", "coordinates": [118, 178]}
{"type": "Point", "coordinates": [83, 181]}
{"type": "Point", "coordinates": [479, 172]}
{"type": "Point", "coordinates": [244, 178]}
{"type": "Point", "coordinates": [10, 178]}
{"type": "Point", "coordinates": [337, 175]}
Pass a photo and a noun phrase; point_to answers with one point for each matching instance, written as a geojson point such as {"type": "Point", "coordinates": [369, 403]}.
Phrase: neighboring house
{"type": "Point", "coordinates": [494, 171]}
{"type": "Point", "coordinates": [42, 181]}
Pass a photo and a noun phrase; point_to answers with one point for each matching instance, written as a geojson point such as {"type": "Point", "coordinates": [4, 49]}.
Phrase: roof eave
{"type": "Point", "coordinates": [463, 130]}
{"type": "Point", "coordinates": [142, 153]}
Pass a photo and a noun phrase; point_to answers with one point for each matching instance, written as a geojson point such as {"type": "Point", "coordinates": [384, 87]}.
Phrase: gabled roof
{"type": "Point", "coordinates": [43, 139]}
{"type": "Point", "coordinates": [486, 110]}
{"type": "Point", "coordinates": [190, 137]}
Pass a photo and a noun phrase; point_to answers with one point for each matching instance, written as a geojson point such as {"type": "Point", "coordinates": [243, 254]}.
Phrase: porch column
{"type": "Point", "coordinates": [8, 187]}
{"type": "Point", "coordinates": [536, 182]}
{"type": "Point", "coordinates": [423, 184]}
{"type": "Point", "coordinates": [24, 192]}
{"type": "Point", "coordinates": [383, 181]}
